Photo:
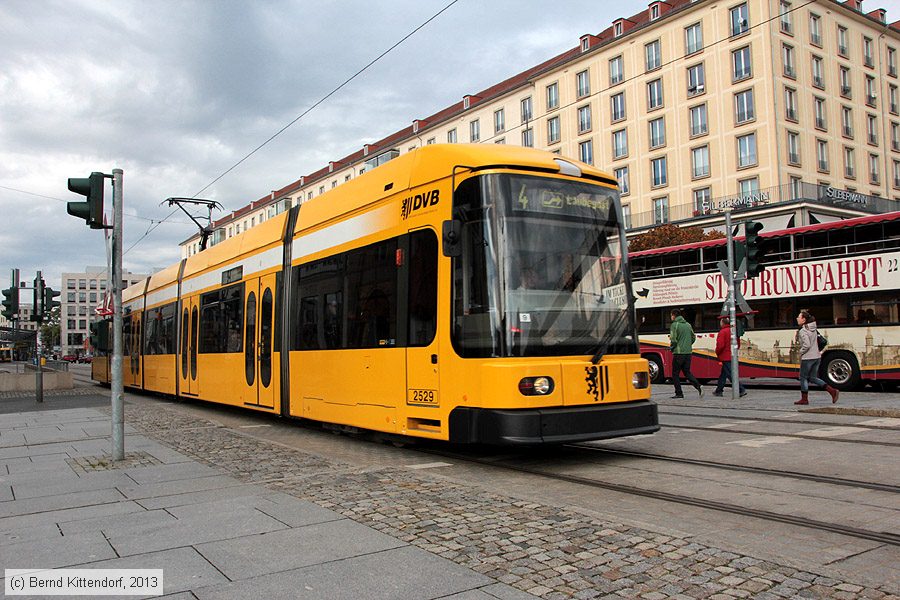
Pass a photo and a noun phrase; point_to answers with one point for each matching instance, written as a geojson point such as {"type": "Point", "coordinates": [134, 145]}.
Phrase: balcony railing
{"type": "Point", "coordinates": [873, 178]}
{"type": "Point", "coordinates": [818, 82]}
{"type": "Point", "coordinates": [843, 50]}
{"type": "Point", "coordinates": [870, 100]}
{"type": "Point", "coordinates": [789, 71]}
{"type": "Point", "coordinates": [823, 165]}
{"type": "Point", "coordinates": [849, 172]}
{"type": "Point", "coordinates": [769, 197]}
{"type": "Point", "coordinates": [869, 61]}
{"type": "Point", "coordinates": [820, 123]}
{"type": "Point", "coordinates": [794, 158]}
{"type": "Point", "coordinates": [791, 114]}
{"type": "Point", "coordinates": [847, 131]}
{"type": "Point", "coordinates": [846, 92]}
{"type": "Point", "coordinates": [873, 139]}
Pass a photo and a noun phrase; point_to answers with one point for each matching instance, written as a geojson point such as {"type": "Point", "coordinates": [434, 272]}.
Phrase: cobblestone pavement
{"type": "Point", "coordinates": [549, 552]}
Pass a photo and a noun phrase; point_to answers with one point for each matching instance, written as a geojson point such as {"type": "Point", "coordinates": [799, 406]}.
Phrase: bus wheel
{"type": "Point", "coordinates": [657, 374]}
{"type": "Point", "coordinates": [840, 370]}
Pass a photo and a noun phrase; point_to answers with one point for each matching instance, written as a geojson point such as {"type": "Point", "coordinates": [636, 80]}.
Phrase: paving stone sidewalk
{"type": "Point", "coordinates": [215, 532]}
{"type": "Point", "coordinates": [541, 550]}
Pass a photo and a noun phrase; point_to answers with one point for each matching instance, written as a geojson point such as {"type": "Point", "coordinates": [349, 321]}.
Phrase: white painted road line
{"type": "Point", "coordinates": [429, 465]}
{"type": "Point", "coordinates": [765, 441]}
{"type": "Point", "coordinates": [825, 432]}
{"type": "Point", "coordinates": [886, 422]}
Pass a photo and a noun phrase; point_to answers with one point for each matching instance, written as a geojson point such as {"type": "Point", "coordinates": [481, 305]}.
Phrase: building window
{"type": "Point", "coordinates": [700, 162]}
{"type": "Point", "coordinates": [845, 80]}
{"type": "Point", "coordinates": [740, 19]}
{"type": "Point", "coordinates": [702, 199]}
{"type": "Point", "coordinates": [744, 109]}
{"type": "Point", "coordinates": [895, 136]}
{"type": "Point", "coordinates": [617, 28]}
{"type": "Point", "coordinates": [819, 112]}
{"type": "Point", "coordinates": [822, 155]}
{"type": "Point", "coordinates": [70, 297]}
{"type": "Point", "coordinates": [617, 107]}
{"type": "Point", "coordinates": [693, 38]}
{"type": "Point", "coordinates": [626, 215]}
{"type": "Point", "coordinates": [872, 129]}
{"type": "Point", "coordinates": [787, 22]}
{"type": "Point", "coordinates": [553, 130]}
{"type": "Point", "coordinates": [815, 30]}
{"type": "Point", "coordinates": [746, 147]}
{"type": "Point", "coordinates": [500, 141]}
{"type": "Point", "coordinates": [793, 147]}
{"type": "Point", "coordinates": [696, 80]}
{"type": "Point", "coordinates": [748, 187]}
{"type": "Point", "coordinates": [849, 163]}
{"type": "Point", "coordinates": [582, 84]}
{"type": "Point", "coordinates": [897, 174]}
{"type": "Point", "coordinates": [620, 143]}
{"type": "Point", "coordinates": [499, 121]}
{"type": "Point", "coordinates": [451, 136]}
{"type": "Point", "coordinates": [843, 47]}
{"type": "Point", "coordinates": [654, 94]}
{"type": "Point", "coordinates": [652, 55]}
{"type": "Point", "coordinates": [698, 120]}
{"type": "Point", "coordinates": [796, 187]}
{"type": "Point", "coordinates": [82, 284]}
{"type": "Point", "coordinates": [867, 52]}
{"type": "Point", "coordinates": [871, 97]}
{"type": "Point", "coordinates": [873, 169]}
{"type": "Point", "coordinates": [659, 172]}
{"type": "Point", "coordinates": [584, 119]}
{"type": "Point", "coordinates": [790, 104]}
{"type": "Point", "coordinates": [818, 74]}
{"type": "Point", "coordinates": [892, 98]}
{"type": "Point", "coordinates": [552, 96]}
{"type": "Point", "coordinates": [624, 183]}
{"type": "Point", "coordinates": [660, 210]}
{"type": "Point", "coordinates": [528, 137]}
{"type": "Point", "coordinates": [787, 61]}
{"type": "Point", "coordinates": [474, 130]}
{"type": "Point", "coordinates": [616, 70]}
{"type": "Point", "coordinates": [657, 132]}
{"type": "Point", "coordinates": [892, 61]}
{"type": "Point", "coordinates": [525, 109]}
{"type": "Point", "coordinates": [741, 63]}
{"type": "Point", "coordinates": [586, 151]}
{"type": "Point", "coordinates": [654, 12]}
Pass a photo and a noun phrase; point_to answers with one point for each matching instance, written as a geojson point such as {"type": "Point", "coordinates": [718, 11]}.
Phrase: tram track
{"type": "Point", "coordinates": [791, 435]}
{"type": "Point", "coordinates": [882, 537]}
{"type": "Point", "coordinates": [743, 468]}
{"type": "Point", "coordinates": [775, 420]}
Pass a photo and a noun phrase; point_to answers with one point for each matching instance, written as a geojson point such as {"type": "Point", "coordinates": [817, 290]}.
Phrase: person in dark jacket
{"type": "Point", "coordinates": [807, 337]}
{"type": "Point", "coordinates": [682, 338]}
{"type": "Point", "coordinates": [723, 353]}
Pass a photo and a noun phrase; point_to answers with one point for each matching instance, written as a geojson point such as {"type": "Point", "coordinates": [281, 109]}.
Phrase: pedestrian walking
{"type": "Point", "coordinates": [723, 353]}
{"type": "Point", "coordinates": [682, 338]}
{"type": "Point", "coordinates": [810, 356]}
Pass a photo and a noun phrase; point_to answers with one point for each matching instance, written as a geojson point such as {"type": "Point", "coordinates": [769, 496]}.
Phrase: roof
{"type": "Point", "coordinates": [867, 220]}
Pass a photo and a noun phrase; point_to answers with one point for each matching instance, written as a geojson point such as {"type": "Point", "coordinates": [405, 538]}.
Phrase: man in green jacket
{"type": "Point", "coordinates": [682, 339]}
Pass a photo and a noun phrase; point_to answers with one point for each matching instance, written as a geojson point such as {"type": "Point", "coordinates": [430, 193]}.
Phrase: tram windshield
{"type": "Point", "coordinates": [541, 270]}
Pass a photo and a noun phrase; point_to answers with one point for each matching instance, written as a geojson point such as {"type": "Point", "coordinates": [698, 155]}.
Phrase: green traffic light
{"type": "Point", "coordinates": [92, 210]}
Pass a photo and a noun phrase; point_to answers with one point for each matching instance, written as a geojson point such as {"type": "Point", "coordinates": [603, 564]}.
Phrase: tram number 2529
{"type": "Point", "coordinates": [423, 397]}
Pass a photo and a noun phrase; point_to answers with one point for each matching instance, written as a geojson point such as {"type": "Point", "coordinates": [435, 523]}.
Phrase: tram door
{"type": "Point", "coordinates": [422, 353]}
{"type": "Point", "coordinates": [260, 368]}
{"type": "Point", "coordinates": [131, 349]}
{"type": "Point", "coordinates": [187, 360]}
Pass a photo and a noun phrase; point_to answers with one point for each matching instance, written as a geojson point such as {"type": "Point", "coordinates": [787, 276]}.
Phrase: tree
{"type": "Point", "coordinates": [671, 235]}
{"type": "Point", "coordinates": [50, 329]}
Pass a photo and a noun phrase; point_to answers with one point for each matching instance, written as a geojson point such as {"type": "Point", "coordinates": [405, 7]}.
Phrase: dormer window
{"type": "Point", "coordinates": [416, 126]}
{"type": "Point", "coordinates": [365, 149]}
{"type": "Point", "coordinates": [618, 28]}
{"type": "Point", "coordinates": [466, 102]}
{"type": "Point", "coordinates": [654, 11]}
{"type": "Point", "coordinates": [585, 43]}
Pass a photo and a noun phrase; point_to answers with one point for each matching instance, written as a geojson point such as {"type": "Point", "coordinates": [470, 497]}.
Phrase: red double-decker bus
{"type": "Point", "coordinates": [847, 273]}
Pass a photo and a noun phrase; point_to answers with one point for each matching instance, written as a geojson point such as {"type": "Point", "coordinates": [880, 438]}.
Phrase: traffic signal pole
{"type": "Point", "coordinates": [37, 311]}
{"type": "Point", "coordinates": [118, 388]}
{"type": "Point", "coordinates": [732, 317]}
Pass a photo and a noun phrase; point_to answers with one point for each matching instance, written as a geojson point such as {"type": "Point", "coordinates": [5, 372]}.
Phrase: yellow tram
{"type": "Point", "coordinates": [470, 293]}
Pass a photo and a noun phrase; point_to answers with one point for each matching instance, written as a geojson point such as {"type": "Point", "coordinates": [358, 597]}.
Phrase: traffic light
{"type": "Point", "coordinates": [50, 301]}
{"type": "Point", "coordinates": [11, 302]}
{"type": "Point", "coordinates": [92, 210]}
{"type": "Point", "coordinates": [99, 335]}
{"type": "Point", "coordinates": [754, 248]}
{"type": "Point", "coordinates": [37, 313]}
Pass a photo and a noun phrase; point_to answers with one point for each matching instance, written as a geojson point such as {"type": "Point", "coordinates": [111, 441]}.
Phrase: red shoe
{"type": "Point", "coordinates": [804, 398]}
{"type": "Point", "coordinates": [834, 393]}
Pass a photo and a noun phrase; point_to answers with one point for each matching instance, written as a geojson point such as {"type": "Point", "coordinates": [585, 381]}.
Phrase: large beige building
{"type": "Point", "coordinates": [766, 105]}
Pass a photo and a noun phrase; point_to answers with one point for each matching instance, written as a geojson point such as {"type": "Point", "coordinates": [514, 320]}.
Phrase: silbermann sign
{"type": "Point", "coordinates": [744, 201]}
{"type": "Point", "coordinates": [846, 196]}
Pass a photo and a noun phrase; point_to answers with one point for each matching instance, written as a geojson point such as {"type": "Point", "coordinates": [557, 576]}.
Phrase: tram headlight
{"type": "Point", "coordinates": [640, 380]}
{"type": "Point", "coordinates": [536, 386]}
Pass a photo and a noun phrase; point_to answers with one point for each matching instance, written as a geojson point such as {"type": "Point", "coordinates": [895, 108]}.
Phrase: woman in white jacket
{"type": "Point", "coordinates": [810, 356]}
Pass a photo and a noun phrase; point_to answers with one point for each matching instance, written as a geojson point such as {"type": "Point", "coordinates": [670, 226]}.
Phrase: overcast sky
{"type": "Point", "coordinates": [176, 92]}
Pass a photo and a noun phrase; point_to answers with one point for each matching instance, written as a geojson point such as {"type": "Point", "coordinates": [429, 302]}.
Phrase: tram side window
{"type": "Point", "coordinates": [371, 284]}
{"type": "Point", "coordinates": [423, 267]}
{"type": "Point", "coordinates": [159, 330]}
{"type": "Point", "coordinates": [222, 320]}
